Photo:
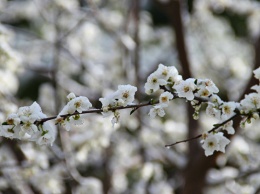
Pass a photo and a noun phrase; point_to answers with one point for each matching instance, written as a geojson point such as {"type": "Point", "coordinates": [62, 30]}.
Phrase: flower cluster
{"type": "Point", "coordinates": [198, 91]}
{"type": "Point", "coordinates": [122, 97]}
{"type": "Point", "coordinates": [23, 125]}
{"type": "Point", "coordinates": [163, 102]}
{"type": "Point", "coordinates": [161, 77]}
{"type": "Point", "coordinates": [30, 123]}
{"type": "Point", "coordinates": [250, 105]}
{"type": "Point", "coordinates": [72, 110]}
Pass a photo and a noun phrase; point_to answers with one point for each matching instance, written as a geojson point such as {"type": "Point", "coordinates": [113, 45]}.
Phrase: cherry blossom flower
{"type": "Point", "coordinates": [165, 97]}
{"type": "Point", "coordinates": [122, 97]}
{"type": "Point", "coordinates": [257, 73]}
{"type": "Point", "coordinates": [48, 134]}
{"type": "Point", "coordinates": [214, 142]}
{"type": "Point", "coordinates": [210, 144]}
{"type": "Point", "coordinates": [32, 112]}
{"type": "Point", "coordinates": [163, 72]}
{"type": "Point", "coordinates": [64, 122]}
{"type": "Point", "coordinates": [13, 119]}
{"type": "Point", "coordinates": [251, 102]}
{"type": "Point", "coordinates": [153, 83]}
{"type": "Point", "coordinates": [168, 73]}
{"type": "Point", "coordinates": [215, 99]}
{"type": "Point", "coordinates": [213, 111]}
{"type": "Point", "coordinates": [209, 85]}
{"type": "Point", "coordinates": [28, 127]}
{"type": "Point", "coordinates": [174, 77]}
{"type": "Point", "coordinates": [229, 127]}
{"type": "Point", "coordinates": [9, 131]}
{"type": "Point", "coordinates": [256, 88]}
{"type": "Point", "coordinates": [228, 109]}
{"type": "Point", "coordinates": [222, 141]}
{"type": "Point", "coordinates": [71, 96]}
{"type": "Point", "coordinates": [78, 104]}
{"type": "Point", "coordinates": [185, 88]}
{"type": "Point", "coordinates": [110, 101]}
{"type": "Point", "coordinates": [157, 110]}
{"type": "Point", "coordinates": [203, 92]}
{"type": "Point", "coordinates": [116, 118]}
{"type": "Point", "coordinates": [126, 93]}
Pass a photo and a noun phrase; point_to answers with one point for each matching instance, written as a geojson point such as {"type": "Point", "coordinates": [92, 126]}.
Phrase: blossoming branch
{"type": "Point", "coordinates": [31, 124]}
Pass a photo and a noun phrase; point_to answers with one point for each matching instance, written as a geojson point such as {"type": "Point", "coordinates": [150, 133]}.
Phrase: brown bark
{"type": "Point", "coordinates": [195, 171]}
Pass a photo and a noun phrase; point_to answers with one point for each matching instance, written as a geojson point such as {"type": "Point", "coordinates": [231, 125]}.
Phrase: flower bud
{"type": "Point", "coordinates": [256, 116]}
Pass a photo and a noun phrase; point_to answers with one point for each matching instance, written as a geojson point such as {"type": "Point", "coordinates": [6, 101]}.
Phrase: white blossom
{"type": "Point", "coordinates": [116, 118]}
{"type": "Point", "coordinates": [222, 141]}
{"type": "Point", "coordinates": [153, 83]}
{"type": "Point", "coordinates": [206, 88]}
{"type": "Point", "coordinates": [215, 99]}
{"type": "Point", "coordinates": [79, 104]}
{"type": "Point", "coordinates": [228, 109]}
{"type": "Point", "coordinates": [256, 88]}
{"type": "Point", "coordinates": [77, 119]}
{"type": "Point", "coordinates": [250, 102]}
{"type": "Point", "coordinates": [210, 144]}
{"type": "Point", "coordinates": [162, 72]}
{"type": "Point", "coordinates": [185, 88]}
{"type": "Point", "coordinates": [209, 85]}
{"type": "Point", "coordinates": [165, 97]}
{"type": "Point", "coordinates": [28, 127]}
{"type": "Point", "coordinates": [63, 122]}
{"type": "Point", "coordinates": [257, 73]}
{"type": "Point", "coordinates": [71, 96]}
{"type": "Point", "coordinates": [110, 101]}
{"type": "Point", "coordinates": [22, 125]}
{"type": "Point", "coordinates": [168, 73]}
{"type": "Point", "coordinates": [122, 97]}
{"type": "Point", "coordinates": [126, 93]}
{"type": "Point", "coordinates": [32, 112]}
{"type": "Point", "coordinates": [203, 92]}
{"type": "Point", "coordinates": [13, 119]}
{"type": "Point", "coordinates": [229, 127]}
{"type": "Point", "coordinates": [9, 131]}
{"type": "Point", "coordinates": [214, 142]}
{"type": "Point", "coordinates": [48, 134]}
{"type": "Point", "coordinates": [157, 110]}
{"type": "Point", "coordinates": [213, 111]}
{"type": "Point", "coordinates": [174, 77]}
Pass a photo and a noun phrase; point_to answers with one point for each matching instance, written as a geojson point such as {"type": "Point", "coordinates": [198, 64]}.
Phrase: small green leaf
{"type": "Point", "coordinates": [216, 125]}
{"type": "Point", "coordinates": [44, 132]}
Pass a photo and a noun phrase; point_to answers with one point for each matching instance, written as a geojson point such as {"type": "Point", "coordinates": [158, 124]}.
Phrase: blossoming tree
{"type": "Point", "coordinates": [78, 134]}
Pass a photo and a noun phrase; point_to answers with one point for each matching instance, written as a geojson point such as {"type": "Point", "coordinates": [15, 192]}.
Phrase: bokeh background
{"type": "Point", "coordinates": [49, 48]}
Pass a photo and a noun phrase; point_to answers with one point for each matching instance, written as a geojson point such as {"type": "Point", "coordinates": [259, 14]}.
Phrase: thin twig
{"type": "Point", "coordinates": [210, 131]}
{"type": "Point", "coordinates": [134, 106]}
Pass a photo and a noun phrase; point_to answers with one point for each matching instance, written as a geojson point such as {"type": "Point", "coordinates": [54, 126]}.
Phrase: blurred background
{"type": "Point", "coordinates": [49, 48]}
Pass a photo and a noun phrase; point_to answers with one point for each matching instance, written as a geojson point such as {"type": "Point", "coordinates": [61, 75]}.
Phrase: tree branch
{"type": "Point", "coordinates": [210, 131]}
